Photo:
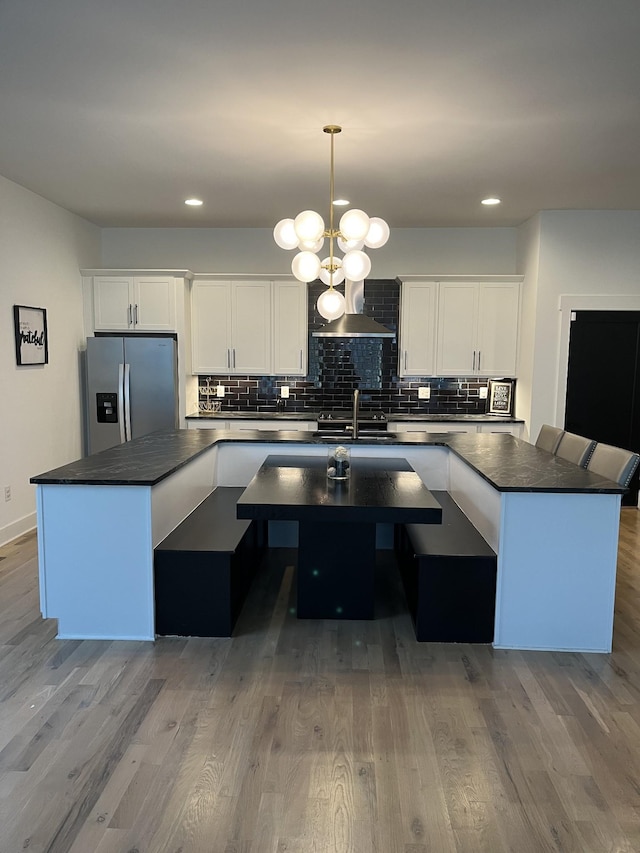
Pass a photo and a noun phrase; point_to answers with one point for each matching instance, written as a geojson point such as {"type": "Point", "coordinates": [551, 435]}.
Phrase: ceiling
{"type": "Point", "coordinates": [120, 110]}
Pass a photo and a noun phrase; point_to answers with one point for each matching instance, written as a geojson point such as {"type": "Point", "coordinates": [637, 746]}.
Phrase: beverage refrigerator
{"type": "Point", "coordinates": [131, 388]}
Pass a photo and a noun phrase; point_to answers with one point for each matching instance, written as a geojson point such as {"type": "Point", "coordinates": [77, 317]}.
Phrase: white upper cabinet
{"type": "Point", "coordinates": [418, 325]}
{"type": "Point", "coordinates": [231, 326]}
{"type": "Point", "coordinates": [477, 328]}
{"type": "Point", "coordinates": [290, 328]}
{"type": "Point", "coordinates": [211, 326]}
{"type": "Point", "coordinates": [155, 304]}
{"type": "Point", "coordinates": [251, 327]}
{"type": "Point", "coordinates": [498, 322]}
{"type": "Point", "coordinates": [134, 303]}
{"type": "Point", "coordinates": [256, 327]}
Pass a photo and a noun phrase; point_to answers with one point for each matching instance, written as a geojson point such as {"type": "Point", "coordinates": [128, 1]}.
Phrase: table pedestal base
{"type": "Point", "coordinates": [336, 568]}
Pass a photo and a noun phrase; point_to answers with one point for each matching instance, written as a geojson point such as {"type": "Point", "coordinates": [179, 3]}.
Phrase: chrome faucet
{"type": "Point", "coordinates": [356, 403]}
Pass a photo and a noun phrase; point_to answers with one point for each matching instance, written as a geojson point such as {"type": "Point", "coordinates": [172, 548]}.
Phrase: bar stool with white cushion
{"type": "Point", "coordinates": [575, 448]}
{"type": "Point", "coordinates": [549, 438]}
{"type": "Point", "coordinates": [614, 463]}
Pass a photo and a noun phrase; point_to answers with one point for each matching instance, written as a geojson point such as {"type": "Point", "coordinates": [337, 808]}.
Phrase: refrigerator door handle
{"type": "Point", "coordinates": [127, 403]}
{"type": "Point", "coordinates": [123, 437]}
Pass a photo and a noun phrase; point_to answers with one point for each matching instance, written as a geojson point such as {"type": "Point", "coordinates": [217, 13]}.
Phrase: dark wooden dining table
{"type": "Point", "coordinates": [337, 523]}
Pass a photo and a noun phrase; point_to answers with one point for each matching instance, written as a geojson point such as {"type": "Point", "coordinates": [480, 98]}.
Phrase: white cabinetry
{"type": "Point", "coordinates": [431, 426]}
{"type": "Point", "coordinates": [231, 329]}
{"type": "Point", "coordinates": [418, 324]}
{"type": "Point", "coordinates": [210, 326]}
{"type": "Point", "coordinates": [239, 424]}
{"type": "Point", "coordinates": [278, 425]}
{"type": "Point", "coordinates": [512, 429]}
{"type": "Point", "coordinates": [250, 327]}
{"type": "Point", "coordinates": [254, 326]}
{"type": "Point", "coordinates": [290, 328]}
{"type": "Point", "coordinates": [193, 424]}
{"type": "Point", "coordinates": [134, 303]}
{"type": "Point", "coordinates": [477, 328]}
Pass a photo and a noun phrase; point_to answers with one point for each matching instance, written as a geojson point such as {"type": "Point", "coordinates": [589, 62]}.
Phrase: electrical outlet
{"type": "Point", "coordinates": [7, 493]}
{"type": "Point", "coordinates": [220, 390]}
{"type": "Point", "coordinates": [484, 391]}
{"type": "Point", "coordinates": [284, 392]}
{"type": "Point", "coordinates": [424, 392]}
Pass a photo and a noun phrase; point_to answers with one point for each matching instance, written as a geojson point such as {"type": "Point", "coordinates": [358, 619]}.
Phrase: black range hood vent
{"type": "Point", "coordinates": [353, 323]}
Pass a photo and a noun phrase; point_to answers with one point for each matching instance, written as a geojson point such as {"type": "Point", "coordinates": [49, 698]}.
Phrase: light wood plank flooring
{"type": "Point", "coordinates": [314, 736]}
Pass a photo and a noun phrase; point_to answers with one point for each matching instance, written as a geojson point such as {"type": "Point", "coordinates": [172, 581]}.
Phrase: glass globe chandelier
{"type": "Point", "coordinates": [307, 233]}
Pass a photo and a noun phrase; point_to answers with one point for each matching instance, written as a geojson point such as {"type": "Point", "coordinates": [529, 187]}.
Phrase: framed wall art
{"type": "Point", "coordinates": [30, 325]}
{"type": "Point", "coordinates": [501, 396]}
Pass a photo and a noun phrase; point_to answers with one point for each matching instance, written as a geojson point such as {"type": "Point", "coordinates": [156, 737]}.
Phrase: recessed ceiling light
{"type": "Point", "coordinates": [341, 202]}
{"type": "Point", "coordinates": [491, 201]}
{"type": "Point", "coordinates": [193, 202]}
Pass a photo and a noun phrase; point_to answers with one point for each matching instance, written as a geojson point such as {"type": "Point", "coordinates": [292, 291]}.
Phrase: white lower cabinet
{"type": "Point", "coordinates": [207, 424]}
{"type": "Point", "coordinates": [240, 424]}
{"type": "Point", "coordinates": [430, 426]}
{"type": "Point", "coordinates": [453, 426]}
{"type": "Point", "coordinates": [298, 426]}
{"type": "Point", "coordinates": [512, 429]}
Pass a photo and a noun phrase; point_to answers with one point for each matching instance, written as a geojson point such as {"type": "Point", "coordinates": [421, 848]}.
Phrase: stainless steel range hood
{"type": "Point", "coordinates": [353, 323]}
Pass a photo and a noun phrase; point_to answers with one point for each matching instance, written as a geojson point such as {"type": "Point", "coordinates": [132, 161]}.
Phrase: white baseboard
{"type": "Point", "coordinates": [17, 528]}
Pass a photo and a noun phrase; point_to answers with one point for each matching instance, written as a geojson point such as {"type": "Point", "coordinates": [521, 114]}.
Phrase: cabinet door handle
{"type": "Point", "coordinates": [234, 356]}
{"type": "Point", "coordinates": [474, 360]}
{"type": "Point", "coordinates": [300, 359]}
{"type": "Point", "coordinates": [479, 354]}
{"type": "Point", "coordinates": [228, 358]}
{"type": "Point", "coordinates": [135, 314]}
{"type": "Point", "coordinates": [405, 359]}
{"type": "Point", "coordinates": [123, 435]}
{"type": "Point", "coordinates": [130, 323]}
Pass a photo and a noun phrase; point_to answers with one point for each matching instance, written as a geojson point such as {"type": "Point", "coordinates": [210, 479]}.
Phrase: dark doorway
{"type": "Point", "coordinates": [603, 381]}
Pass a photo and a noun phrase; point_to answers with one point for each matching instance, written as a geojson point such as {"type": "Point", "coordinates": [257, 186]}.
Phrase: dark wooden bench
{"type": "Point", "coordinates": [449, 576]}
{"type": "Point", "coordinates": [203, 569]}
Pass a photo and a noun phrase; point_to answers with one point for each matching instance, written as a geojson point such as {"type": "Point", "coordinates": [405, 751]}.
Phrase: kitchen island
{"type": "Point", "coordinates": [553, 525]}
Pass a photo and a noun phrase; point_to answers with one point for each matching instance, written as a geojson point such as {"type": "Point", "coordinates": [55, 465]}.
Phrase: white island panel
{"type": "Point", "coordinates": [97, 559]}
{"type": "Point", "coordinates": [557, 571]}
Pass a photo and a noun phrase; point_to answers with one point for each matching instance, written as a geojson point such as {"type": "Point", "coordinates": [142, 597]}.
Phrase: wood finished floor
{"type": "Point", "coordinates": [331, 737]}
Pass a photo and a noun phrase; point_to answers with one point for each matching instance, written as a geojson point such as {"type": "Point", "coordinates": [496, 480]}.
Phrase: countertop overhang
{"type": "Point", "coordinates": [507, 463]}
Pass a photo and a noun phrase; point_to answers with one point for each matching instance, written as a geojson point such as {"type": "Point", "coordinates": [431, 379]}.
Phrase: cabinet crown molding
{"type": "Point", "coordinates": [132, 272]}
{"type": "Point", "coordinates": [237, 276]}
{"type": "Point", "coordinates": [479, 278]}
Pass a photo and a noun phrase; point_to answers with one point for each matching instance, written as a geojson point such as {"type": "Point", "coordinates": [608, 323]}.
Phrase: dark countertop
{"type": "Point", "coordinates": [507, 463]}
{"type": "Point", "coordinates": [312, 416]}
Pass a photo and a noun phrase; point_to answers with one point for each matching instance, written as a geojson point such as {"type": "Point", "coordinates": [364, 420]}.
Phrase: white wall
{"type": "Point", "coordinates": [576, 252]}
{"type": "Point", "coordinates": [528, 251]}
{"type": "Point", "coordinates": [410, 251]}
{"type": "Point", "coordinates": [42, 248]}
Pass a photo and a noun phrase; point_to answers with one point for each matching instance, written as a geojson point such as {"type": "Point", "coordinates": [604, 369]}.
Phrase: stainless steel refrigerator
{"type": "Point", "coordinates": [131, 388]}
